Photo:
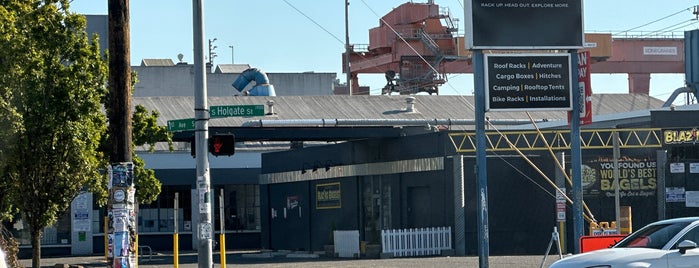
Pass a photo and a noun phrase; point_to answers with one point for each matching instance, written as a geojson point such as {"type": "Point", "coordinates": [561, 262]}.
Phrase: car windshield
{"type": "Point", "coordinates": [653, 236]}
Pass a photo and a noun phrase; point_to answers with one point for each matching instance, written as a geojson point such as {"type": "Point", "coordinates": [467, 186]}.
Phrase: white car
{"type": "Point", "coordinates": [666, 243]}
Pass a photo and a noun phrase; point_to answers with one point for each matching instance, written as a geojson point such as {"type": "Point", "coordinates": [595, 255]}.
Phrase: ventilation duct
{"type": "Point", "coordinates": [262, 86]}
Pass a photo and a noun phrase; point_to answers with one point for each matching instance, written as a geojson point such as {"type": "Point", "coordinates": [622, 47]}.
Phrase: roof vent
{"type": "Point", "coordinates": [270, 105]}
{"type": "Point", "coordinates": [410, 108]}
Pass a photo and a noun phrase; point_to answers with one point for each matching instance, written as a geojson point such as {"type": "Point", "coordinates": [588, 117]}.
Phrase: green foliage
{"type": "Point", "coordinates": [52, 80]}
{"type": "Point", "coordinates": [146, 129]}
{"type": "Point", "coordinates": [147, 132]}
{"type": "Point", "coordinates": [147, 185]}
{"type": "Point", "coordinates": [52, 122]}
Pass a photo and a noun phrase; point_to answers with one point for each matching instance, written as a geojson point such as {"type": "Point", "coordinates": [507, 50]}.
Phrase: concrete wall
{"type": "Point", "coordinates": [178, 80]}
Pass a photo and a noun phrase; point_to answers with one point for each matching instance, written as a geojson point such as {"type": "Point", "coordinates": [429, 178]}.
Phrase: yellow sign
{"type": "Point", "coordinates": [328, 196]}
{"type": "Point", "coordinates": [680, 136]}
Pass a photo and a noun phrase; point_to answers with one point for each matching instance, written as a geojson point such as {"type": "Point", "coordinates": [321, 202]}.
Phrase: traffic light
{"type": "Point", "coordinates": [222, 144]}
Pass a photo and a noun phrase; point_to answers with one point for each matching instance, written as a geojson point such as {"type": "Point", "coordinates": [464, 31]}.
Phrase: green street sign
{"type": "Point", "coordinates": [180, 125]}
{"type": "Point", "coordinates": [236, 110]}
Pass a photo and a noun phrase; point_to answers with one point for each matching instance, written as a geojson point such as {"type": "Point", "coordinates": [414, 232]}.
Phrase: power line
{"type": "Point", "coordinates": [649, 23]}
{"type": "Point", "coordinates": [404, 41]}
{"type": "Point", "coordinates": [314, 22]}
{"type": "Point", "coordinates": [665, 30]}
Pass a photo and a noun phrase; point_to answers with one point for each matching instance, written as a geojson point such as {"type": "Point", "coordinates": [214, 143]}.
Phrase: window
{"type": "Point", "coordinates": [241, 207]}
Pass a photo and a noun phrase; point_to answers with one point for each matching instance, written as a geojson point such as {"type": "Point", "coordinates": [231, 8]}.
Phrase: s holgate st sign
{"type": "Point", "coordinates": [217, 112]}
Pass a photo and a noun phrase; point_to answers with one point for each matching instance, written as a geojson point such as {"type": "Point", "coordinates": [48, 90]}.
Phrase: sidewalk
{"type": "Point", "coordinates": [267, 259]}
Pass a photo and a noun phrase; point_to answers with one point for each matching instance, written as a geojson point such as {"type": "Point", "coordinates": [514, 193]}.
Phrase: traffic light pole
{"type": "Point", "coordinates": [201, 115]}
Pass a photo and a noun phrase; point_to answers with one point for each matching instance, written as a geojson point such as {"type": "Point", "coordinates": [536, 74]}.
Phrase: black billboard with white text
{"type": "Point", "coordinates": [524, 24]}
{"type": "Point", "coordinates": [528, 82]}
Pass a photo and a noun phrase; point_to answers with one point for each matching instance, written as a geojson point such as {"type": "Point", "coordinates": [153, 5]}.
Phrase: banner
{"type": "Point", "coordinates": [637, 177]}
{"type": "Point", "coordinates": [585, 88]}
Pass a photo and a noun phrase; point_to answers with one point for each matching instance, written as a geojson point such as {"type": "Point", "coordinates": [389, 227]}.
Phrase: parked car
{"type": "Point", "coordinates": [666, 243]}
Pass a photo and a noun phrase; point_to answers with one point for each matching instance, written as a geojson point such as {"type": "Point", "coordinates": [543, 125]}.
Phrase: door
{"type": "Point", "coordinates": [419, 207]}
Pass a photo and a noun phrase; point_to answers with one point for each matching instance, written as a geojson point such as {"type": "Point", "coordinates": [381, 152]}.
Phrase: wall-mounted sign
{"type": "Point", "coordinates": [676, 168]}
{"type": "Point", "coordinates": [660, 51]}
{"type": "Point", "coordinates": [528, 82]}
{"type": "Point", "coordinates": [682, 136]}
{"type": "Point", "coordinates": [328, 196]}
{"type": "Point", "coordinates": [530, 24]}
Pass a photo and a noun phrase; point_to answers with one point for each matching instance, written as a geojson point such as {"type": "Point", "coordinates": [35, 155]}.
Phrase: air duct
{"type": "Point", "coordinates": [262, 86]}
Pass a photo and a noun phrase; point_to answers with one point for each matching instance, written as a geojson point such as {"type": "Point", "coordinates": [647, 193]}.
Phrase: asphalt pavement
{"type": "Point", "coordinates": [266, 259]}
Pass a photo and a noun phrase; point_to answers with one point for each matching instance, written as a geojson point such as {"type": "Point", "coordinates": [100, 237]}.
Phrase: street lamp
{"type": "Point", "coordinates": [232, 54]}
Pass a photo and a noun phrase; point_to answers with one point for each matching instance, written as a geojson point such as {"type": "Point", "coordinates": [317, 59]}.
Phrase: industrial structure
{"type": "Point", "coordinates": [417, 45]}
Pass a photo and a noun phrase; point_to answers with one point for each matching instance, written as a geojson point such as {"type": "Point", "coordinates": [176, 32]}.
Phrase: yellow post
{"type": "Point", "coordinates": [106, 238]}
{"type": "Point", "coordinates": [136, 245]}
{"type": "Point", "coordinates": [176, 249]}
{"type": "Point", "coordinates": [562, 236]}
{"type": "Point", "coordinates": [222, 248]}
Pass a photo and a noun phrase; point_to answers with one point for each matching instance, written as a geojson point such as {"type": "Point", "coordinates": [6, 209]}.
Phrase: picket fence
{"type": "Point", "coordinates": [416, 242]}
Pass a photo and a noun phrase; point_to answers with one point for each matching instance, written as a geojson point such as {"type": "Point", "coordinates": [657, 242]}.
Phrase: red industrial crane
{"type": "Point", "coordinates": [416, 45]}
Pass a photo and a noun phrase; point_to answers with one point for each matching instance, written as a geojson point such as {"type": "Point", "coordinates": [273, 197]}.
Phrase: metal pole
{"type": "Point", "coordinates": [576, 158]}
{"type": "Point", "coordinates": [459, 206]}
{"type": "Point", "coordinates": [347, 49]}
{"type": "Point", "coordinates": [232, 54]}
{"type": "Point", "coordinates": [222, 237]}
{"type": "Point", "coordinates": [481, 168]}
{"type": "Point", "coordinates": [201, 116]}
{"type": "Point", "coordinates": [617, 206]}
{"type": "Point", "coordinates": [176, 235]}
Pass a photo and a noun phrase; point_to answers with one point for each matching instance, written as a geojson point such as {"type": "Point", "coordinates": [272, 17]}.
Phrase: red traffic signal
{"type": "Point", "coordinates": [222, 144]}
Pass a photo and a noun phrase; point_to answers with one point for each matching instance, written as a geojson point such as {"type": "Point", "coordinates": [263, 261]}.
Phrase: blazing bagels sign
{"type": "Point", "coordinates": [686, 136]}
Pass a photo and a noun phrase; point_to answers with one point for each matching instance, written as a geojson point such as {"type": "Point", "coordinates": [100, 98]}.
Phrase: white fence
{"type": "Point", "coordinates": [346, 243]}
{"type": "Point", "coordinates": [416, 242]}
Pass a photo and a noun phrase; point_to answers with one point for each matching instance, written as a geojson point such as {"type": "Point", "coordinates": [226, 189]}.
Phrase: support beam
{"type": "Point", "coordinates": [639, 83]}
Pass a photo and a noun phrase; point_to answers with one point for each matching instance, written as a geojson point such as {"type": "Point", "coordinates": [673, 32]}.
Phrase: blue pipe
{"type": "Point", "coordinates": [249, 75]}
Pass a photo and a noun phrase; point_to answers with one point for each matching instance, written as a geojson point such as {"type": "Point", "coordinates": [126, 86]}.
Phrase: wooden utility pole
{"type": "Point", "coordinates": [122, 229]}
{"type": "Point", "coordinates": [119, 82]}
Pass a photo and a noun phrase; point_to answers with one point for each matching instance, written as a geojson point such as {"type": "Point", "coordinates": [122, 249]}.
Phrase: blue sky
{"type": "Point", "coordinates": [273, 36]}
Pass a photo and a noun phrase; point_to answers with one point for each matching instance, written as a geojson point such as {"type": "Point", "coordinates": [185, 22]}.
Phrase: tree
{"type": "Point", "coordinates": [147, 132]}
{"type": "Point", "coordinates": [55, 81]}
{"type": "Point", "coordinates": [52, 125]}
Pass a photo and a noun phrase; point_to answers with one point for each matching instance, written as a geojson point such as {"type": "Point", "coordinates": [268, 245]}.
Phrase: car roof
{"type": "Point", "coordinates": [677, 220]}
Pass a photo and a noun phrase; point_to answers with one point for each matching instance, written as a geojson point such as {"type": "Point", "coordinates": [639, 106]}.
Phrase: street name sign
{"type": "Point", "coordinates": [236, 110]}
{"type": "Point", "coordinates": [180, 125]}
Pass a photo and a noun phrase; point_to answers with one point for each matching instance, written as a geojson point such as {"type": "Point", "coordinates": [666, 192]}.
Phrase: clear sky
{"type": "Point", "coordinates": [275, 36]}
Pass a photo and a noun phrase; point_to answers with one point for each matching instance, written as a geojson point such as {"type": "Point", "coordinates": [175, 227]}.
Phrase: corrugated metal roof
{"type": "Point", "coordinates": [231, 68]}
{"type": "Point", "coordinates": [377, 107]}
{"type": "Point", "coordinates": [157, 62]}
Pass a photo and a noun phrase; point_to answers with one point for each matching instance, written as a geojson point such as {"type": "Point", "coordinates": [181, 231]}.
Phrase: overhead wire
{"type": "Point", "coordinates": [314, 22]}
{"type": "Point", "coordinates": [657, 20]}
{"type": "Point", "coordinates": [671, 28]}
{"type": "Point", "coordinates": [362, 56]}
{"type": "Point", "coordinates": [587, 216]}
{"type": "Point", "coordinates": [403, 40]}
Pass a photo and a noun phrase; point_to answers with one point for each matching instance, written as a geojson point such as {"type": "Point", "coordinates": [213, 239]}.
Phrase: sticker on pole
{"type": "Point", "coordinates": [205, 230]}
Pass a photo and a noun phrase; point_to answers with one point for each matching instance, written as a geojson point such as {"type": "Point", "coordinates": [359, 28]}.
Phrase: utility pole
{"type": "Point", "coordinates": [122, 228]}
{"type": "Point", "coordinates": [347, 49]}
{"type": "Point", "coordinates": [201, 134]}
{"type": "Point", "coordinates": [232, 54]}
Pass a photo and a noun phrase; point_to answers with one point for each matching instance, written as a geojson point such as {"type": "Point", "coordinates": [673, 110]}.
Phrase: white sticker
{"type": "Point", "coordinates": [205, 230]}
{"type": "Point", "coordinates": [119, 196]}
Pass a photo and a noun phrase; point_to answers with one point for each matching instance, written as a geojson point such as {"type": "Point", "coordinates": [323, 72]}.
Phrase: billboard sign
{"type": "Point", "coordinates": [530, 24]}
{"type": "Point", "coordinates": [528, 82]}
